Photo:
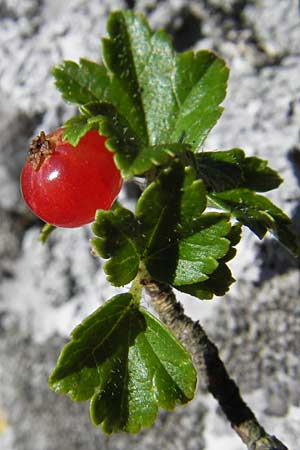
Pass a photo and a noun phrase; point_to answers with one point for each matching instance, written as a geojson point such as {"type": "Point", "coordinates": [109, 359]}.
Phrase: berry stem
{"type": "Point", "coordinates": [136, 290]}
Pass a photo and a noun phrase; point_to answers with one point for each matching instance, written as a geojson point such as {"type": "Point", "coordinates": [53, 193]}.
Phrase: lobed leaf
{"type": "Point", "coordinates": [81, 83]}
{"type": "Point", "coordinates": [115, 126]}
{"type": "Point", "coordinates": [167, 98]}
{"type": "Point", "coordinates": [117, 238]}
{"type": "Point", "coordinates": [75, 128]}
{"type": "Point", "coordinates": [258, 213]}
{"type": "Point", "coordinates": [198, 254]}
{"type": "Point", "coordinates": [259, 176]}
{"type": "Point", "coordinates": [200, 84]}
{"type": "Point", "coordinates": [220, 280]}
{"type": "Point", "coordinates": [229, 169]}
{"type": "Point", "coordinates": [217, 284]}
{"type": "Point", "coordinates": [155, 104]}
{"type": "Point", "coordinates": [127, 363]}
{"type": "Point", "coordinates": [231, 179]}
{"type": "Point", "coordinates": [133, 158]}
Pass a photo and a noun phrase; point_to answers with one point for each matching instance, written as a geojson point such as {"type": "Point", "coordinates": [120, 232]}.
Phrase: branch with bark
{"type": "Point", "coordinates": [210, 368]}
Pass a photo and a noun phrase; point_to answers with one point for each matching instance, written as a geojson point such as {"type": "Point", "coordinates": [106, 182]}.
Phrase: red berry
{"type": "Point", "coordinates": [65, 185]}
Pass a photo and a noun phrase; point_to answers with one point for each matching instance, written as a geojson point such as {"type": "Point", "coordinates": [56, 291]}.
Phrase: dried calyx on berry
{"type": "Point", "coordinates": [41, 146]}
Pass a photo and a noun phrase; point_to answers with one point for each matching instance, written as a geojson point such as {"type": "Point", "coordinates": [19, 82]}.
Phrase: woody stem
{"type": "Point", "coordinates": [211, 369]}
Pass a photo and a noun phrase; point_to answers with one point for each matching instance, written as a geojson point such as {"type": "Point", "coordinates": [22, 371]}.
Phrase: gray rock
{"type": "Point", "coordinates": [46, 290]}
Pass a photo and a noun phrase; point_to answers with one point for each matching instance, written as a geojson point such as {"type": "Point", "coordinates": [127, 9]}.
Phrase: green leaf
{"type": "Point", "coordinates": [127, 363]}
{"type": "Point", "coordinates": [258, 213]}
{"type": "Point", "coordinates": [154, 104]}
{"type": "Point", "coordinates": [217, 284]}
{"type": "Point", "coordinates": [115, 126]}
{"type": "Point", "coordinates": [198, 254]}
{"type": "Point", "coordinates": [200, 86]}
{"type": "Point", "coordinates": [117, 238]}
{"type": "Point", "coordinates": [126, 54]}
{"type": "Point", "coordinates": [259, 176]}
{"type": "Point", "coordinates": [81, 83]}
{"type": "Point", "coordinates": [133, 157]}
{"type": "Point", "coordinates": [75, 128]}
{"type": "Point", "coordinates": [166, 98]}
{"type": "Point", "coordinates": [183, 245]}
{"type": "Point", "coordinates": [220, 280]}
{"type": "Point", "coordinates": [220, 170]}
{"type": "Point", "coordinates": [231, 178]}
{"type": "Point", "coordinates": [229, 169]}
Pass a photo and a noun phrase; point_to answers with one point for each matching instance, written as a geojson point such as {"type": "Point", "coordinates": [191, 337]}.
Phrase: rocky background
{"type": "Point", "coordinates": [46, 290]}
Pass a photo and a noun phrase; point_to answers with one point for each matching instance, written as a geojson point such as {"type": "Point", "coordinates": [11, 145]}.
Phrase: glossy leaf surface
{"type": "Point", "coordinates": [183, 245]}
{"type": "Point", "coordinates": [127, 363]}
{"type": "Point", "coordinates": [116, 238]}
{"type": "Point", "coordinates": [258, 213]}
{"type": "Point", "coordinates": [228, 169]}
{"type": "Point", "coordinates": [154, 103]}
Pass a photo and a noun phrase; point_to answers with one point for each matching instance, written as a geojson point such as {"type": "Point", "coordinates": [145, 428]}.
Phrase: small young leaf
{"type": "Point", "coordinates": [75, 128]}
{"type": "Point", "coordinates": [117, 238]}
{"type": "Point", "coordinates": [121, 136]}
{"type": "Point", "coordinates": [220, 170]}
{"type": "Point", "coordinates": [127, 363]}
{"type": "Point", "coordinates": [220, 280]}
{"type": "Point", "coordinates": [258, 213]}
{"type": "Point", "coordinates": [229, 169]}
{"type": "Point", "coordinates": [198, 254]}
{"type": "Point", "coordinates": [217, 284]}
{"type": "Point", "coordinates": [81, 83]}
{"type": "Point", "coordinates": [259, 176]}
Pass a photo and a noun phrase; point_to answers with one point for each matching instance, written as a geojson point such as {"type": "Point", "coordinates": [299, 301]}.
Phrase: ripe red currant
{"type": "Point", "coordinates": [65, 185]}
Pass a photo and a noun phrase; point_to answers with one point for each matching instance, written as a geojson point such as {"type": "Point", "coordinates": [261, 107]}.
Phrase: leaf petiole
{"type": "Point", "coordinates": [136, 289]}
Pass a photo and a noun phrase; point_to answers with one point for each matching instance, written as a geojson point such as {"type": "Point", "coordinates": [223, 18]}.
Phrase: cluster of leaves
{"type": "Point", "coordinates": [156, 108]}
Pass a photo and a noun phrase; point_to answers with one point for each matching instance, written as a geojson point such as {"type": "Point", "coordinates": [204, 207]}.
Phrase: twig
{"type": "Point", "coordinates": [211, 369]}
